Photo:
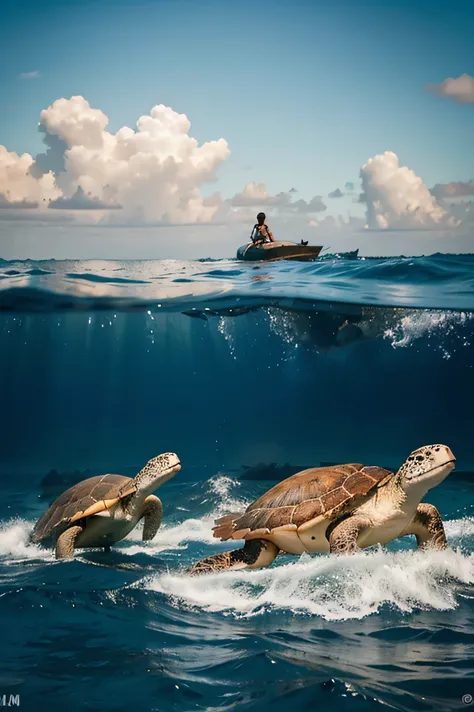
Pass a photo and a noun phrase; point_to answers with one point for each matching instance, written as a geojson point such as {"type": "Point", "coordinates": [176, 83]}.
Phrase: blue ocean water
{"type": "Point", "coordinates": [249, 373]}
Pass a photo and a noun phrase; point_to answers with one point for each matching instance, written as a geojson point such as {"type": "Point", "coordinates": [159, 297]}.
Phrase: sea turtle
{"type": "Point", "coordinates": [100, 511]}
{"type": "Point", "coordinates": [338, 509]}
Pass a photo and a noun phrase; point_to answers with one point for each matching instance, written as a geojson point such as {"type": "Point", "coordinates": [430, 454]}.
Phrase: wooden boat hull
{"type": "Point", "coordinates": [272, 251]}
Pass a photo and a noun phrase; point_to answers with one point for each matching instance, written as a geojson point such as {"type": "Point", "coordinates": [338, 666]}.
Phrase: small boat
{"type": "Point", "coordinates": [278, 250]}
{"type": "Point", "coordinates": [352, 255]}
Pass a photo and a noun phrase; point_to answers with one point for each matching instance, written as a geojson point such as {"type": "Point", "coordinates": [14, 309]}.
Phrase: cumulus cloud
{"type": "Point", "coordinates": [336, 193]}
{"type": "Point", "coordinates": [452, 190]}
{"type": "Point", "coordinates": [315, 205]}
{"type": "Point", "coordinates": [397, 198]}
{"type": "Point", "coordinates": [460, 90]}
{"type": "Point", "coordinates": [30, 75]}
{"type": "Point", "coordinates": [256, 194]}
{"type": "Point", "coordinates": [252, 194]}
{"type": "Point", "coordinates": [330, 224]}
{"type": "Point", "coordinates": [81, 201]}
{"type": "Point", "coordinates": [17, 184]}
{"type": "Point", "coordinates": [155, 172]}
{"type": "Point", "coordinates": [18, 204]}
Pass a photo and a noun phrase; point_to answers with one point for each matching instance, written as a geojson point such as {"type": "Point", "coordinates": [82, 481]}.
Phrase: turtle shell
{"type": "Point", "coordinates": [317, 493]}
{"type": "Point", "coordinates": [88, 497]}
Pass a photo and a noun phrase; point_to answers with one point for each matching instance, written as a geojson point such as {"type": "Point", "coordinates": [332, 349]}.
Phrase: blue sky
{"type": "Point", "coordinates": [304, 92]}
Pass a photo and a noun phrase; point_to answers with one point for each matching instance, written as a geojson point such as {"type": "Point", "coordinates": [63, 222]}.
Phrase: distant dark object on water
{"type": "Point", "coordinates": [54, 482]}
{"type": "Point", "coordinates": [272, 471]}
{"type": "Point", "coordinates": [352, 255]}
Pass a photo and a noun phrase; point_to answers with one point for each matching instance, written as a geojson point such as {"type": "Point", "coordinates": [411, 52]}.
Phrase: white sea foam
{"type": "Point", "coordinates": [178, 536]}
{"type": "Point", "coordinates": [460, 528]}
{"type": "Point", "coordinates": [335, 588]}
{"type": "Point", "coordinates": [224, 487]}
{"type": "Point", "coordinates": [171, 538]}
{"type": "Point", "coordinates": [14, 541]}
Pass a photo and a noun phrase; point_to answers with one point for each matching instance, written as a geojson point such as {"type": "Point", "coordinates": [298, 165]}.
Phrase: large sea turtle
{"type": "Point", "coordinates": [100, 511]}
{"type": "Point", "coordinates": [338, 509]}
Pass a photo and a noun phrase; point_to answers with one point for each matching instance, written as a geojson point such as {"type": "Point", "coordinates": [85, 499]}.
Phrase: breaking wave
{"type": "Point", "coordinates": [334, 588]}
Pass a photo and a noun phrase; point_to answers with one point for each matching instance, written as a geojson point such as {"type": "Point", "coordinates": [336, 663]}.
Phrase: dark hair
{"type": "Point", "coordinates": [261, 218]}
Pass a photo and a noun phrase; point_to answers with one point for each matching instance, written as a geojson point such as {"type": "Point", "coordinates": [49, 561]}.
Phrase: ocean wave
{"type": "Point", "coordinates": [334, 588]}
{"type": "Point", "coordinates": [15, 545]}
{"type": "Point", "coordinates": [436, 282]}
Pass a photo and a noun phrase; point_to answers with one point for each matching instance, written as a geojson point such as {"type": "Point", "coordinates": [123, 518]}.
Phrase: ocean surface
{"type": "Point", "coordinates": [249, 373]}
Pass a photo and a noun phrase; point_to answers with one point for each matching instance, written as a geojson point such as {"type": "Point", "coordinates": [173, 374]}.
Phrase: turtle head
{"type": "Point", "coordinates": [156, 472]}
{"type": "Point", "coordinates": [427, 467]}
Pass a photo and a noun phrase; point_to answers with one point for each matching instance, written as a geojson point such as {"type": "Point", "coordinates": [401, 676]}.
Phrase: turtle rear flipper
{"type": "Point", "coordinates": [253, 555]}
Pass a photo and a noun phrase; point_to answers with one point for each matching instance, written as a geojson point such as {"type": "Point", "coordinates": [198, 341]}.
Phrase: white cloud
{"type": "Point", "coordinates": [252, 194]}
{"type": "Point", "coordinates": [154, 172]}
{"type": "Point", "coordinates": [18, 185]}
{"type": "Point", "coordinates": [256, 194]}
{"type": "Point", "coordinates": [330, 225]}
{"type": "Point", "coordinates": [460, 90]}
{"type": "Point", "coordinates": [452, 190]}
{"type": "Point", "coordinates": [19, 204]}
{"type": "Point", "coordinates": [30, 75]}
{"type": "Point", "coordinates": [397, 198]}
{"type": "Point", "coordinates": [315, 205]}
{"type": "Point", "coordinates": [81, 201]}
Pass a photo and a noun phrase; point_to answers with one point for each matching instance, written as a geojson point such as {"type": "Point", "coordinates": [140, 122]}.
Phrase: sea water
{"type": "Point", "coordinates": [249, 373]}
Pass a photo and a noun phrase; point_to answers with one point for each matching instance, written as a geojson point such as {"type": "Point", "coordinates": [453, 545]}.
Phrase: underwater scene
{"type": "Point", "coordinates": [250, 373]}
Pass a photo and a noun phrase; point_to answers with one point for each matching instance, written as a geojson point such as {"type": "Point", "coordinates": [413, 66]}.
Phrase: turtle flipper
{"type": "Point", "coordinates": [343, 538]}
{"type": "Point", "coordinates": [427, 526]}
{"type": "Point", "coordinates": [152, 513]}
{"type": "Point", "coordinates": [254, 554]}
{"type": "Point", "coordinates": [66, 541]}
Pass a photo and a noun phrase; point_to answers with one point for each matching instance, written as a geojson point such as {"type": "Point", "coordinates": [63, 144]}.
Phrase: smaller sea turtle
{"type": "Point", "coordinates": [338, 509]}
{"type": "Point", "coordinates": [100, 511]}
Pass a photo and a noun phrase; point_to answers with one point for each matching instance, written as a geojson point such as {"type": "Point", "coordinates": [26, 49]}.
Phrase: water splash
{"type": "Point", "coordinates": [15, 544]}
{"type": "Point", "coordinates": [333, 588]}
{"type": "Point", "coordinates": [415, 325]}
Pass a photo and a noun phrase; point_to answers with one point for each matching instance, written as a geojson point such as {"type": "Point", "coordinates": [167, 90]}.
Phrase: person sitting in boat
{"type": "Point", "coordinates": [261, 233]}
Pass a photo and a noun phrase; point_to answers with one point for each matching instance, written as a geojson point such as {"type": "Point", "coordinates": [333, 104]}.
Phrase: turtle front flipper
{"type": "Point", "coordinates": [152, 513]}
{"type": "Point", "coordinates": [343, 537]}
{"type": "Point", "coordinates": [254, 554]}
{"type": "Point", "coordinates": [66, 541]}
{"type": "Point", "coordinates": [427, 526]}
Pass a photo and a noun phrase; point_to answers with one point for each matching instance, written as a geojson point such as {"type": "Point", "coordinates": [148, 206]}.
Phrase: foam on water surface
{"type": "Point", "coordinates": [334, 588]}
{"type": "Point", "coordinates": [15, 544]}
